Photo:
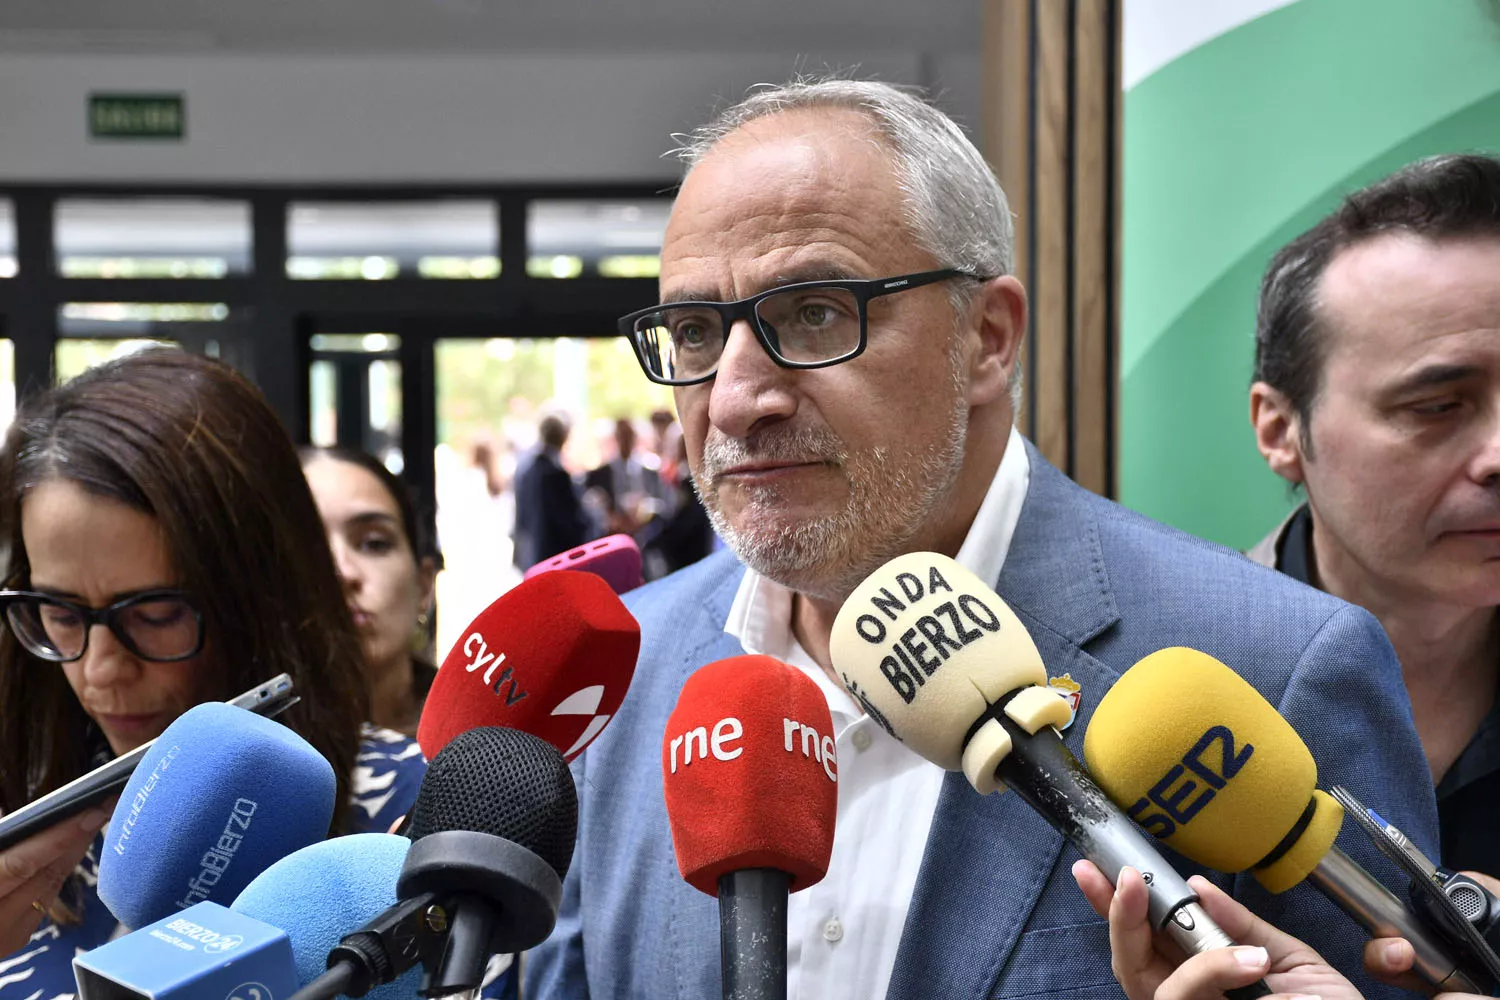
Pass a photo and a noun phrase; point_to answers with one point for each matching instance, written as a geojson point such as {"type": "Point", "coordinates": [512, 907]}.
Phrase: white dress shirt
{"type": "Point", "coordinates": [842, 933]}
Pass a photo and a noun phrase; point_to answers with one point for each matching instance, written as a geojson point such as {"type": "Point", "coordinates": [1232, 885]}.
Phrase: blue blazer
{"type": "Point", "coordinates": [995, 912]}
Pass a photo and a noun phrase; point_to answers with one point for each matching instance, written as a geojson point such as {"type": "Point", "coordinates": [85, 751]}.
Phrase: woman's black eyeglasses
{"type": "Point", "coordinates": [157, 625]}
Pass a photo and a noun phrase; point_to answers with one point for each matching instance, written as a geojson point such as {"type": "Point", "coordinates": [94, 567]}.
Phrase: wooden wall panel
{"type": "Point", "coordinates": [1006, 77]}
{"type": "Point", "coordinates": [1049, 281]}
{"type": "Point", "coordinates": [1093, 230]}
{"type": "Point", "coordinates": [1051, 131]}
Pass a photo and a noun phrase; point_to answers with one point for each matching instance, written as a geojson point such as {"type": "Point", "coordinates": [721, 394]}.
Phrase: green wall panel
{"type": "Point", "coordinates": [1229, 151]}
{"type": "Point", "coordinates": [1188, 455]}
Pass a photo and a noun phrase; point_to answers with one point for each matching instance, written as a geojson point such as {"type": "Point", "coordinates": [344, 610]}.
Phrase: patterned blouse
{"type": "Point", "coordinates": [387, 773]}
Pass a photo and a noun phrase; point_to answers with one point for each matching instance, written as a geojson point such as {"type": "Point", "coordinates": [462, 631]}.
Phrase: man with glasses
{"type": "Point", "coordinates": [843, 334]}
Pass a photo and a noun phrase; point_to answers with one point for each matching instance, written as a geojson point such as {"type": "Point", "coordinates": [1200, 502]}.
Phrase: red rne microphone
{"type": "Point", "coordinates": [615, 558]}
{"type": "Point", "coordinates": [751, 781]}
{"type": "Point", "coordinates": [552, 657]}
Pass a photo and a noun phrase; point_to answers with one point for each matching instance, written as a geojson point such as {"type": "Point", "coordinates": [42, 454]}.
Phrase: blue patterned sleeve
{"type": "Point", "coordinates": [387, 774]}
{"type": "Point", "coordinates": [43, 969]}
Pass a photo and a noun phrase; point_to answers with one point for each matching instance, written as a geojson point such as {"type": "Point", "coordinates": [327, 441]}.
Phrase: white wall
{"type": "Point", "coordinates": [259, 118]}
{"type": "Point", "coordinates": [1154, 32]}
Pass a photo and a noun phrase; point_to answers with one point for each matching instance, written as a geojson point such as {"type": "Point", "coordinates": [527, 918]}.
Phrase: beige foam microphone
{"type": "Point", "coordinates": [940, 661]}
{"type": "Point", "coordinates": [942, 646]}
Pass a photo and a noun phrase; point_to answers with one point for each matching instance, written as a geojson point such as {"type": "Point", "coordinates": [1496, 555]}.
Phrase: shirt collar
{"type": "Point", "coordinates": [1480, 758]}
{"type": "Point", "coordinates": [1294, 549]}
{"type": "Point", "coordinates": [761, 616]}
{"type": "Point", "coordinates": [1294, 557]}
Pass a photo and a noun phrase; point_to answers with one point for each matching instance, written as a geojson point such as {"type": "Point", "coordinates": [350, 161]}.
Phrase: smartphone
{"type": "Point", "coordinates": [268, 699]}
{"type": "Point", "coordinates": [1438, 897]}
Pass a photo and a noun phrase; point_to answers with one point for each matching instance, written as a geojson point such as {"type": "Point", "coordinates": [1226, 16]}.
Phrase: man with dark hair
{"type": "Point", "coordinates": [1377, 389]}
{"type": "Point", "coordinates": [549, 514]}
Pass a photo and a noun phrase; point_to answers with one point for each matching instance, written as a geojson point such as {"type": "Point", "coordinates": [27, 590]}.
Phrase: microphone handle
{"type": "Point", "coordinates": [1376, 908]}
{"type": "Point", "coordinates": [471, 930]}
{"type": "Point", "coordinates": [752, 933]}
{"type": "Point", "coordinates": [336, 982]}
{"type": "Point", "coordinates": [1044, 772]}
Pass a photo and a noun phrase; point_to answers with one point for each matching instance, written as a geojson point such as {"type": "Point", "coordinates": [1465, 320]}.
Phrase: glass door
{"type": "Point", "coordinates": [93, 332]}
{"type": "Point", "coordinates": [354, 394]}
{"type": "Point", "coordinates": [490, 394]}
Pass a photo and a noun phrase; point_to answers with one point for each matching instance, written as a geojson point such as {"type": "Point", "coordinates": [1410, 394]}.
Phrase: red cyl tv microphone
{"type": "Point", "coordinates": [552, 657]}
{"type": "Point", "coordinates": [751, 782]}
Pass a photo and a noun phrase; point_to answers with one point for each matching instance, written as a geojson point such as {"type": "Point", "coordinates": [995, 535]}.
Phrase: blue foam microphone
{"type": "Point", "coordinates": [273, 939]}
{"type": "Point", "coordinates": [326, 890]}
{"type": "Point", "coordinates": [223, 794]}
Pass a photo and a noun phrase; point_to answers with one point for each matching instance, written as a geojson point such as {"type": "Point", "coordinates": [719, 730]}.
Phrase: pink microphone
{"type": "Point", "coordinates": [615, 558]}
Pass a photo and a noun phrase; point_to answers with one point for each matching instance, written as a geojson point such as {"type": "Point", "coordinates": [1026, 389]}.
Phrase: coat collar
{"type": "Point", "coordinates": [1054, 573]}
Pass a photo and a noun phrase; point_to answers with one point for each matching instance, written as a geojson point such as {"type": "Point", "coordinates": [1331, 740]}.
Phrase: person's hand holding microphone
{"type": "Point", "coordinates": [1147, 970]}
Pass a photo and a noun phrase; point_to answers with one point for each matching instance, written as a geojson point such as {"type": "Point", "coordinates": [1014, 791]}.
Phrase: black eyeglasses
{"type": "Point", "coordinates": [811, 324]}
{"type": "Point", "coordinates": [158, 625]}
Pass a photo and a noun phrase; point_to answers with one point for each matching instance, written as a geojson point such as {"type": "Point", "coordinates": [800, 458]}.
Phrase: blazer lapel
{"type": "Point", "coordinates": [1054, 573]}
{"type": "Point", "coordinates": [988, 858]}
{"type": "Point", "coordinates": [706, 619]}
{"type": "Point", "coordinates": [986, 861]}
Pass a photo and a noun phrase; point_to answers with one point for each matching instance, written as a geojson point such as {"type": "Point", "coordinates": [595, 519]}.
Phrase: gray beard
{"type": "Point", "coordinates": [893, 497]}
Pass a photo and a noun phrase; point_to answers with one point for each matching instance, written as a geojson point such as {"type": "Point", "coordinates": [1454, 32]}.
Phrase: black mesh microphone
{"type": "Point", "coordinates": [492, 835]}
{"type": "Point", "coordinates": [492, 832]}
{"type": "Point", "coordinates": [505, 783]}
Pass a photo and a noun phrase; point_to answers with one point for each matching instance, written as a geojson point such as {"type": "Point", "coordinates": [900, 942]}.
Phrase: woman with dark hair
{"type": "Point", "coordinates": [388, 570]}
{"type": "Point", "coordinates": [161, 489]}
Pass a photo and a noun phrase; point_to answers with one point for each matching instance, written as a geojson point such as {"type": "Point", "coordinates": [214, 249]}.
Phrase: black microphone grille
{"type": "Point", "coordinates": [506, 783]}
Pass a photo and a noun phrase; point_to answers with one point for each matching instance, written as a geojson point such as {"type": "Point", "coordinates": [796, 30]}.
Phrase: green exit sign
{"type": "Point", "coordinates": [137, 116]}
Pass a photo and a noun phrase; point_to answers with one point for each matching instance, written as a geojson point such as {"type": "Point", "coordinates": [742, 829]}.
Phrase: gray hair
{"type": "Point", "coordinates": [955, 209]}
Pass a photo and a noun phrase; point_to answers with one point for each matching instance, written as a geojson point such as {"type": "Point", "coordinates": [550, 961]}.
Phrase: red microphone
{"type": "Point", "coordinates": [553, 657]}
{"type": "Point", "coordinates": [751, 782]}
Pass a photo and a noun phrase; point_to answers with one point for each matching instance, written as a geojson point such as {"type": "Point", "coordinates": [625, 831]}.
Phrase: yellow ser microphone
{"type": "Point", "coordinates": [940, 661]}
{"type": "Point", "coordinates": [1196, 756]}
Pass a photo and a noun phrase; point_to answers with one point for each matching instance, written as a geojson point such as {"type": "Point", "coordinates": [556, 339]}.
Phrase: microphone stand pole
{"type": "Point", "coordinates": [752, 933]}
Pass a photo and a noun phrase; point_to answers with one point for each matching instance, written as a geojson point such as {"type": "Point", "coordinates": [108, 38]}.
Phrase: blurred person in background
{"type": "Point", "coordinates": [486, 456]}
{"type": "Point", "coordinates": [475, 528]}
{"type": "Point", "coordinates": [630, 484]}
{"type": "Point", "coordinates": [683, 536]}
{"type": "Point", "coordinates": [549, 513]}
{"type": "Point", "coordinates": [666, 434]}
{"type": "Point", "coordinates": [388, 571]}
{"type": "Point", "coordinates": [164, 550]}
{"type": "Point", "coordinates": [1377, 390]}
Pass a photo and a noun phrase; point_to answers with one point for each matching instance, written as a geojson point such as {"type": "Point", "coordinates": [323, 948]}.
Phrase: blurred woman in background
{"type": "Point", "coordinates": [388, 571]}
{"type": "Point", "coordinates": [163, 550]}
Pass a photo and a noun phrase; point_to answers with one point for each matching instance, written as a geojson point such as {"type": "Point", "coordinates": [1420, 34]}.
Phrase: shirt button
{"type": "Point", "coordinates": [833, 930]}
{"type": "Point", "coordinates": [861, 739]}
